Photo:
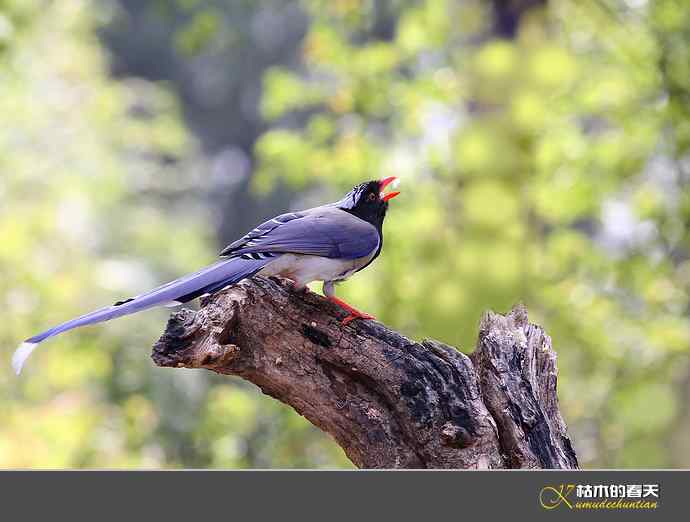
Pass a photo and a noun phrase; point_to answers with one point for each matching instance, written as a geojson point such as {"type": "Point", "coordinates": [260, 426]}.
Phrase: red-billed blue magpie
{"type": "Point", "coordinates": [327, 243]}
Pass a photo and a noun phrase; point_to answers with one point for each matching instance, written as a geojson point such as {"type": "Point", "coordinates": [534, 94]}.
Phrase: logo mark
{"type": "Point", "coordinates": [551, 497]}
{"type": "Point", "coordinates": [600, 496]}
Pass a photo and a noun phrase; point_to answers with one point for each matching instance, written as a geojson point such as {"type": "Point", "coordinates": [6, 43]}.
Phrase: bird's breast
{"type": "Point", "coordinates": [303, 269]}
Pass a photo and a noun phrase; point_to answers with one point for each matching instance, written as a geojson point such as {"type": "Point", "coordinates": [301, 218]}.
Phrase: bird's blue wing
{"type": "Point", "coordinates": [260, 231]}
{"type": "Point", "coordinates": [324, 231]}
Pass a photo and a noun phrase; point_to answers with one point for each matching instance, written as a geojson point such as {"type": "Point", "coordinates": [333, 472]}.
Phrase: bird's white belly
{"type": "Point", "coordinates": [304, 269]}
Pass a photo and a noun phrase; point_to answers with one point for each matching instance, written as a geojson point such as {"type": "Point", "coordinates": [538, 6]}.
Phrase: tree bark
{"type": "Point", "coordinates": [389, 402]}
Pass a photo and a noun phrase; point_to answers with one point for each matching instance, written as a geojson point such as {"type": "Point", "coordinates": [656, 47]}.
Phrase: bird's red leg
{"type": "Point", "coordinates": [354, 313]}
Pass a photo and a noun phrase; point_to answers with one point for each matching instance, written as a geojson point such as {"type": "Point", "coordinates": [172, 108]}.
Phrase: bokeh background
{"type": "Point", "coordinates": [543, 147]}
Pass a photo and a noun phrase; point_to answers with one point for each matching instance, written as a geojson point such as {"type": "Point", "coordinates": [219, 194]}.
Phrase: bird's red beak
{"type": "Point", "coordinates": [383, 184]}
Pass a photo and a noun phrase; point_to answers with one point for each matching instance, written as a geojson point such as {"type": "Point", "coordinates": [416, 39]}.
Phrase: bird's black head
{"type": "Point", "coordinates": [368, 202]}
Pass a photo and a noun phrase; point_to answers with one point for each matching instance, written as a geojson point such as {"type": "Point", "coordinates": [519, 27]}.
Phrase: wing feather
{"type": "Point", "coordinates": [323, 231]}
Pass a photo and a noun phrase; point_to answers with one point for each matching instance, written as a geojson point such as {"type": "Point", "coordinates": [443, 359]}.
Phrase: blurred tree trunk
{"type": "Point", "coordinates": [388, 401]}
{"type": "Point", "coordinates": [508, 14]}
{"type": "Point", "coordinates": [218, 84]}
{"type": "Point", "coordinates": [218, 87]}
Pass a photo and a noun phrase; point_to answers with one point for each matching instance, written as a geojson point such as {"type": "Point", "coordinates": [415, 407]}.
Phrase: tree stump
{"type": "Point", "coordinates": [388, 401]}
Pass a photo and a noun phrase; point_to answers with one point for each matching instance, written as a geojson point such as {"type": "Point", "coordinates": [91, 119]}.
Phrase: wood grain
{"type": "Point", "coordinates": [388, 401]}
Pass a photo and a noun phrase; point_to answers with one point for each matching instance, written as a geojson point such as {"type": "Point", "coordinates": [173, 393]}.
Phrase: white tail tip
{"type": "Point", "coordinates": [21, 355]}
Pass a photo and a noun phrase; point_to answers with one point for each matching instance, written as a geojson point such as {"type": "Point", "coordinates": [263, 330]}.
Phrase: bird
{"type": "Point", "coordinates": [328, 243]}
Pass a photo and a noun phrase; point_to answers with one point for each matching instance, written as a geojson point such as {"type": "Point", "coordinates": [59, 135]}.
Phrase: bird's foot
{"type": "Point", "coordinates": [357, 315]}
{"type": "Point", "coordinates": [354, 313]}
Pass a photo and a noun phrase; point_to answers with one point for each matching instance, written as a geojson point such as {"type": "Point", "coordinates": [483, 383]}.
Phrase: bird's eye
{"type": "Point", "coordinates": [371, 197]}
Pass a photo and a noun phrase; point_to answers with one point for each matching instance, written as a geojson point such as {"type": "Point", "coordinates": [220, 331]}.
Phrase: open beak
{"type": "Point", "coordinates": [384, 183]}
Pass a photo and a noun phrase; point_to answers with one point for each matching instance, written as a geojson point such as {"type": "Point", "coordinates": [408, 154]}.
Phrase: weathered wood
{"type": "Point", "coordinates": [389, 402]}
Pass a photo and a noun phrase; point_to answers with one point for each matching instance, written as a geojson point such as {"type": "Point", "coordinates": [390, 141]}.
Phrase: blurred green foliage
{"type": "Point", "coordinates": [80, 153]}
{"type": "Point", "coordinates": [99, 199]}
{"type": "Point", "coordinates": [549, 167]}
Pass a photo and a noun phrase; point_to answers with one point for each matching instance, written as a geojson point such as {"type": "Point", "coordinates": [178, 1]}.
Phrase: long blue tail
{"type": "Point", "coordinates": [207, 280]}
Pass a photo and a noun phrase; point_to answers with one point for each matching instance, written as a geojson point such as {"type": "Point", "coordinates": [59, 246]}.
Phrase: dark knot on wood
{"type": "Point", "coordinates": [388, 401]}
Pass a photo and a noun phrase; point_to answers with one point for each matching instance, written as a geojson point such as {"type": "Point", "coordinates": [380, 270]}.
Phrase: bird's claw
{"type": "Point", "coordinates": [354, 313]}
{"type": "Point", "coordinates": [353, 316]}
